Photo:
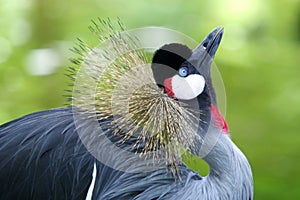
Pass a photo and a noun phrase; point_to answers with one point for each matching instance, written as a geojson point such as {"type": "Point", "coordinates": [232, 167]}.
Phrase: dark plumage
{"type": "Point", "coordinates": [38, 162]}
{"type": "Point", "coordinates": [44, 164]}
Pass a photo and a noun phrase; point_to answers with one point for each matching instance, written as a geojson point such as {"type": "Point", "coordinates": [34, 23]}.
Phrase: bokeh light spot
{"type": "Point", "coordinates": [20, 32]}
{"type": "Point", "coordinates": [42, 62]}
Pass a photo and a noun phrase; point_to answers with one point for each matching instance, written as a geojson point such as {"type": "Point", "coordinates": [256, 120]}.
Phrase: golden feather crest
{"type": "Point", "coordinates": [126, 93]}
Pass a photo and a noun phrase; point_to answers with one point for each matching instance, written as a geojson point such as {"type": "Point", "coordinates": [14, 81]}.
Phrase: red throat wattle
{"type": "Point", "coordinates": [168, 87]}
{"type": "Point", "coordinates": [218, 118]}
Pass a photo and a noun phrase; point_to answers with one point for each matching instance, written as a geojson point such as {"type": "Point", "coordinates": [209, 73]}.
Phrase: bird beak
{"type": "Point", "coordinates": [204, 53]}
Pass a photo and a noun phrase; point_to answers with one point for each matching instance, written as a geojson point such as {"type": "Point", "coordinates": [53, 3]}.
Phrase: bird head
{"type": "Point", "coordinates": [184, 74]}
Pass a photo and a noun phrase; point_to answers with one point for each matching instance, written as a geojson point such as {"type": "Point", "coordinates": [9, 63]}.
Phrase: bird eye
{"type": "Point", "coordinates": [183, 71]}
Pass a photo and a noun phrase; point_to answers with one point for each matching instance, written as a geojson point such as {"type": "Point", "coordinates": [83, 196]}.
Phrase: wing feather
{"type": "Point", "coordinates": [42, 157]}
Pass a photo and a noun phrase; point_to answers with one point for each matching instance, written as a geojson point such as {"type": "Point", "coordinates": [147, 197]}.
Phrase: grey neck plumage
{"type": "Point", "coordinates": [230, 174]}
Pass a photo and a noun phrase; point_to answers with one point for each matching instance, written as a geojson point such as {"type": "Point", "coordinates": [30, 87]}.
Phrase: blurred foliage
{"type": "Point", "coordinates": [258, 58]}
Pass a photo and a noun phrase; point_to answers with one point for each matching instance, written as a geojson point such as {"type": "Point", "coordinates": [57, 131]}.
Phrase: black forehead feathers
{"type": "Point", "coordinates": [167, 60]}
{"type": "Point", "coordinates": [172, 55]}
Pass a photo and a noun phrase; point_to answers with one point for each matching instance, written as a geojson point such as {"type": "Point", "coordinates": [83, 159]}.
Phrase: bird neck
{"type": "Point", "coordinates": [230, 173]}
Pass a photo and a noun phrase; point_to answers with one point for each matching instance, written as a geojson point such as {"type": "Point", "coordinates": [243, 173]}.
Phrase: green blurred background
{"type": "Point", "coordinates": [258, 59]}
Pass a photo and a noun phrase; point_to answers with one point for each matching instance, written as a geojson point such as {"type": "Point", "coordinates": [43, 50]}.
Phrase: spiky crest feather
{"type": "Point", "coordinates": [127, 93]}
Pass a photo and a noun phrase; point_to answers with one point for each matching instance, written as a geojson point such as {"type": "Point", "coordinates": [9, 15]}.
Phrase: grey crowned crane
{"type": "Point", "coordinates": [124, 143]}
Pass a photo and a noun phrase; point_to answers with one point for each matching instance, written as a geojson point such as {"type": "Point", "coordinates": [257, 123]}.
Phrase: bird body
{"type": "Point", "coordinates": [91, 151]}
{"type": "Point", "coordinates": [38, 163]}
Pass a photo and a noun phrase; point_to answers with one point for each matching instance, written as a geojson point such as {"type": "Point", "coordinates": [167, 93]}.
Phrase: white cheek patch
{"type": "Point", "coordinates": [189, 87]}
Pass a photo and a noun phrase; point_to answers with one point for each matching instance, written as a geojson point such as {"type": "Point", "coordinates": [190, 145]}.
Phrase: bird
{"type": "Point", "coordinates": [125, 140]}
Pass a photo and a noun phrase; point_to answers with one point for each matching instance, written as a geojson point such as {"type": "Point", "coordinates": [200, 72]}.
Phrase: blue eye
{"type": "Point", "coordinates": [183, 71]}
